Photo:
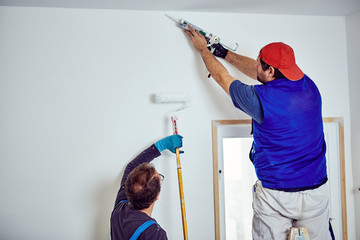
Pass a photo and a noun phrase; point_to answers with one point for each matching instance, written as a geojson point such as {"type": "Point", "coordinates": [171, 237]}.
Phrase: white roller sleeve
{"type": "Point", "coordinates": [172, 97]}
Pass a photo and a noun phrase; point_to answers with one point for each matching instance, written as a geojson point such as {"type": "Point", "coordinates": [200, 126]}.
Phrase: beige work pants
{"type": "Point", "coordinates": [275, 212]}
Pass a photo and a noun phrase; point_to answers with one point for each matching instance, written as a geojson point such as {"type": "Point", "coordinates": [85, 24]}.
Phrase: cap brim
{"type": "Point", "coordinates": [294, 73]}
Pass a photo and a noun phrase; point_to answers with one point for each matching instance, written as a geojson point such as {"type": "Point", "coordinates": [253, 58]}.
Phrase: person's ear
{"type": "Point", "coordinates": [271, 73]}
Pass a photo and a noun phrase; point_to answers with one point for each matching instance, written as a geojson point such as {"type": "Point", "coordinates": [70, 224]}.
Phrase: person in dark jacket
{"type": "Point", "coordinates": [140, 188]}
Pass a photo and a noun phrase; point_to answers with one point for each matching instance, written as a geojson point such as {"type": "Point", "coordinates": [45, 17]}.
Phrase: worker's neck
{"type": "Point", "coordinates": [148, 210]}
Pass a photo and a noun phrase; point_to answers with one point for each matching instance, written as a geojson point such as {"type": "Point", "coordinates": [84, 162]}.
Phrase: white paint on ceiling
{"type": "Point", "coordinates": [289, 7]}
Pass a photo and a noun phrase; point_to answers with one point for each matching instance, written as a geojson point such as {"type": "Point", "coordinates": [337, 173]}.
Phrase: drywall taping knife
{"type": "Point", "coordinates": [211, 38]}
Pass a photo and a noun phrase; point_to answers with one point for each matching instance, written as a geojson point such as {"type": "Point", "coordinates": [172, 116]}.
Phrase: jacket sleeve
{"type": "Point", "coordinates": [147, 155]}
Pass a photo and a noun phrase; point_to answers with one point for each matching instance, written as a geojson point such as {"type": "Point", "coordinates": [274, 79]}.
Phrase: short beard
{"type": "Point", "coordinates": [260, 80]}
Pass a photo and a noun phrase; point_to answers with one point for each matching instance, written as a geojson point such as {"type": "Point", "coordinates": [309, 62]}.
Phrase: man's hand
{"type": "Point", "coordinates": [215, 68]}
{"type": "Point", "coordinates": [171, 143]}
{"type": "Point", "coordinates": [218, 50]}
{"type": "Point", "coordinates": [198, 40]}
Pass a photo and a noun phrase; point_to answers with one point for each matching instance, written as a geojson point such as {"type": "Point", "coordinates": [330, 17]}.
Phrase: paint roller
{"type": "Point", "coordinates": [185, 99]}
{"type": "Point", "coordinates": [174, 97]}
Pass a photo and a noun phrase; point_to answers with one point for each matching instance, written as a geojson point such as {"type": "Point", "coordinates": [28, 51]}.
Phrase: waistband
{"type": "Point", "coordinates": [302, 188]}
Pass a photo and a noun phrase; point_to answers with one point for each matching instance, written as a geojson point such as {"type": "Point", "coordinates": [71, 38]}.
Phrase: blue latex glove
{"type": "Point", "coordinates": [171, 143]}
{"type": "Point", "coordinates": [218, 50]}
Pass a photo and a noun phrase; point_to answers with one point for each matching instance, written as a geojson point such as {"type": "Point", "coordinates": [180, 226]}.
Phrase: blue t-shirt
{"type": "Point", "coordinates": [246, 99]}
{"type": "Point", "coordinates": [289, 147]}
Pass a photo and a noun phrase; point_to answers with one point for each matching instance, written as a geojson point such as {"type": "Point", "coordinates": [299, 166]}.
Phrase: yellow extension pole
{"type": "Point", "coordinates": [181, 191]}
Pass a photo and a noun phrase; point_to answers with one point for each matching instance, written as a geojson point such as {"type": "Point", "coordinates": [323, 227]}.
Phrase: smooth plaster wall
{"type": "Point", "coordinates": [75, 107]}
{"type": "Point", "coordinates": [353, 39]}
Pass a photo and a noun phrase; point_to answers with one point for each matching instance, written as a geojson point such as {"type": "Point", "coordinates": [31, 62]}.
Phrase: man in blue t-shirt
{"type": "Point", "coordinates": [288, 150]}
{"type": "Point", "coordinates": [139, 190]}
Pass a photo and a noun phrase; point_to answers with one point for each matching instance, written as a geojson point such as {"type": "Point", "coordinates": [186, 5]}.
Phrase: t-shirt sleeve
{"type": "Point", "coordinates": [246, 99]}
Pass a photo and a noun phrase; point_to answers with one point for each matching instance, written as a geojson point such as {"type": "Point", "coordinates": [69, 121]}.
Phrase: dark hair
{"type": "Point", "coordinates": [142, 186]}
{"type": "Point", "coordinates": [277, 74]}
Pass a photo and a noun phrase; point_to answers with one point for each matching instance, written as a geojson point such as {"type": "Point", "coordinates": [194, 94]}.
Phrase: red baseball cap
{"type": "Point", "coordinates": [281, 56]}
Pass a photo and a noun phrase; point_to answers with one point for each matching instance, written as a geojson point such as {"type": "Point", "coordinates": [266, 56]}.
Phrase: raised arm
{"type": "Point", "coordinates": [215, 68]}
{"type": "Point", "coordinates": [171, 143]}
{"type": "Point", "coordinates": [245, 64]}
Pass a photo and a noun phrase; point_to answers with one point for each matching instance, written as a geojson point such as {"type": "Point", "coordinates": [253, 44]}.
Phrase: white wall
{"type": "Point", "coordinates": [75, 90]}
{"type": "Point", "coordinates": [353, 39]}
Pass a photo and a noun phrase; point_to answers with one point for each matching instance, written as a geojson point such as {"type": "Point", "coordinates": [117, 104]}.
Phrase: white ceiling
{"type": "Point", "coordinates": [292, 7]}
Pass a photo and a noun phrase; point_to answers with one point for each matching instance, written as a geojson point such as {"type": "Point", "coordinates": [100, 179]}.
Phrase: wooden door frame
{"type": "Point", "coordinates": [216, 123]}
